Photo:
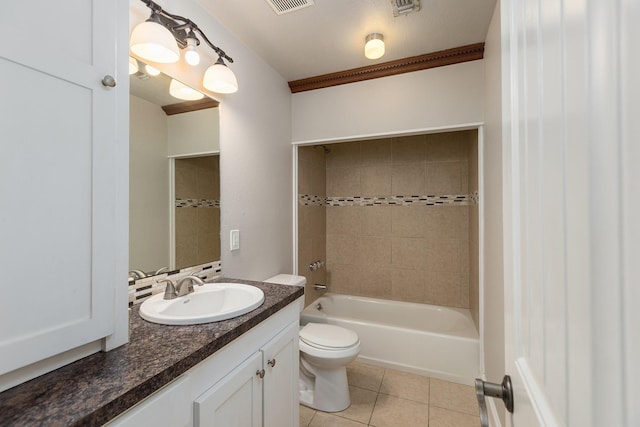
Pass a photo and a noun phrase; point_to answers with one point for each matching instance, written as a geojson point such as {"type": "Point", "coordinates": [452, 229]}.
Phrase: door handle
{"type": "Point", "coordinates": [502, 391]}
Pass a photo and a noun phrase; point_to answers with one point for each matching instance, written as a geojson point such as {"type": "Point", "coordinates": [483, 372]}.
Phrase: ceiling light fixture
{"type": "Point", "coordinates": [160, 37]}
{"type": "Point", "coordinates": [374, 46]}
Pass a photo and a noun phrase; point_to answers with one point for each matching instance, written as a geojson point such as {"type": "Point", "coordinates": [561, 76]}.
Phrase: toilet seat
{"type": "Point", "coordinates": [328, 337]}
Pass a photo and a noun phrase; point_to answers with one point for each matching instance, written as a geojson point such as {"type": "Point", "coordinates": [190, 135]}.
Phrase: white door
{"type": "Point", "coordinates": [571, 155]}
{"type": "Point", "coordinates": [58, 178]}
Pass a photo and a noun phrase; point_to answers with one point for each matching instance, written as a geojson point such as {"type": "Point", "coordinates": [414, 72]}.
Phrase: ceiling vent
{"type": "Point", "coordinates": [404, 7]}
{"type": "Point", "coordinates": [285, 6]}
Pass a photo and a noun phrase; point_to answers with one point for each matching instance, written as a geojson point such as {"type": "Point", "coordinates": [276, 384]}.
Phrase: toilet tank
{"type": "Point", "coordinates": [287, 279]}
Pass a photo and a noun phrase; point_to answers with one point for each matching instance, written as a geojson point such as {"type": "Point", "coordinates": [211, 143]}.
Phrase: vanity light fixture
{"type": "Point", "coordinates": [181, 91]}
{"type": "Point", "coordinates": [133, 65]}
{"type": "Point", "coordinates": [374, 46]}
{"type": "Point", "coordinates": [160, 38]}
{"type": "Point", "coordinates": [152, 71]}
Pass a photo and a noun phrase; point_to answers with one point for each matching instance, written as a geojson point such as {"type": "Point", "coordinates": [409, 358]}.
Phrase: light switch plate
{"type": "Point", "coordinates": [234, 240]}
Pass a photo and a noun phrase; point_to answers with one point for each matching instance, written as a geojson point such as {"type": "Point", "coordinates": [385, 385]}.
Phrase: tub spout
{"type": "Point", "coordinates": [318, 287]}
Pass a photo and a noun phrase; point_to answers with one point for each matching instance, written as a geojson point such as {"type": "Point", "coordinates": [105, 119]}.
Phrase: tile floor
{"type": "Point", "coordinates": [383, 397]}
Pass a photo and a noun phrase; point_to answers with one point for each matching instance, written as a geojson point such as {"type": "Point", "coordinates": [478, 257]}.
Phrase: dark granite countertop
{"type": "Point", "coordinates": [94, 390]}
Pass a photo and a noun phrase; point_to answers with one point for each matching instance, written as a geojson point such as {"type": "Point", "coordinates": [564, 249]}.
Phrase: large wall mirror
{"type": "Point", "coordinates": [174, 186]}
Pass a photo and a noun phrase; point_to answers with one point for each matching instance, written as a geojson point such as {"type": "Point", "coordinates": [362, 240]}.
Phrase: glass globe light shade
{"type": "Point", "coordinates": [220, 79]}
{"type": "Point", "coordinates": [133, 66]}
{"type": "Point", "coordinates": [181, 91]}
{"type": "Point", "coordinates": [152, 41]}
{"type": "Point", "coordinates": [374, 46]}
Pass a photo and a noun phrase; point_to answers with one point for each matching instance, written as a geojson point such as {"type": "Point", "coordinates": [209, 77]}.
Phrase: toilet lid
{"type": "Point", "coordinates": [331, 336]}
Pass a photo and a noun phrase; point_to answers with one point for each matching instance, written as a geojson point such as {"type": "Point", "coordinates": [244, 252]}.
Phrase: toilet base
{"type": "Point", "coordinates": [326, 391]}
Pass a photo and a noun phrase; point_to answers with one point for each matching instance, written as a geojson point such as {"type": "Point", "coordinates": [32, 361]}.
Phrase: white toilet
{"type": "Point", "coordinates": [325, 351]}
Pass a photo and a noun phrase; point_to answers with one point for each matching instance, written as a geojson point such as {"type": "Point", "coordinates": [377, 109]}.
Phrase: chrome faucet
{"type": "Point", "coordinates": [188, 283]}
{"type": "Point", "coordinates": [137, 274]}
{"type": "Point", "coordinates": [169, 290]}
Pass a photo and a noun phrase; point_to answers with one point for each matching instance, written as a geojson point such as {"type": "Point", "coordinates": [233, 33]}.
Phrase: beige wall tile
{"type": "Point", "coordinates": [439, 417]}
{"type": "Point", "coordinates": [343, 220]}
{"type": "Point", "coordinates": [447, 222]}
{"type": "Point", "coordinates": [344, 278]}
{"type": "Point", "coordinates": [343, 249]}
{"type": "Point", "coordinates": [392, 411]}
{"type": "Point", "coordinates": [376, 220]}
{"type": "Point", "coordinates": [375, 152]}
{"type": "Point", "coordinates": [362, 375]}
{"type": "Point", "coordinates": [344, 155]}
{"type": "Point", "coordinates": [375, 251]}
{"type": "Point", "coordinates": [408, 179]}
{"type": "Point", "coordinates": [207, 220]}
{"type": "Point", "coordinates": [305, 174]}
{"type": "Point", "coordinates": [447, 146]}
{"type": "Point", "coordinates": [444, 178]}
{"type": "Point", "coordinates": [408, 253]}
{"type": "Point", "coordinates": [474, 272]}
{"type": "Point", "coordinates": [318, 180]}
{"type": "Point", "coordinates": [446, 255]}
{"type": "Point", "coordinates": [448, 289]}
{"type": "Point", "coordinates": [343, 182]}
{"type": "Point", "coordinates": [375, 281]}
{"type": "Point", "coordinates": [407, 285]}
{"type": "Point", "coordinates": [185, 180]}
{"type": "Point", "coordinates": [408, 149]}
{"type": "Point", "coordinates": [375, 180]}
{"type": "Point", "coordinates": [457, 397]}
{"type": "Point", "coordinates": [186, 222]}
{"type": "Point", "coordinates": [408, 221]}
{"type": "Point", "coordinates": [405, 385]}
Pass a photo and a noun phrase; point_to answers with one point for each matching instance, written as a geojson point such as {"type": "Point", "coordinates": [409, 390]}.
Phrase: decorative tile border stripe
{"type": "Point", "coordinates": [197, 203]}
{"type": "Point", "coordinates": [311, 200]}
{"type": "Point", "coordinates": [142, 289]}
{"type": "Point", "coordinates": [428, 200]}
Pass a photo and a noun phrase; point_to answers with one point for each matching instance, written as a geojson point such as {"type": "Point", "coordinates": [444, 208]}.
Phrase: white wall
{"type": "Point", "coordinates": [443, 97]}
{"type": "Point", "coordinates": [195, 132]}
{"type": "Point", "coordinates": [255, 160]}
{"type": "Point", "coordinates": [148, 187]}
{"type": "Point", "coordinates": [493, 292]}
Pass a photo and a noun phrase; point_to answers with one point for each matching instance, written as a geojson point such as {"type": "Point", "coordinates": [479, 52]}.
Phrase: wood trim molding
{"type": "Point", "coordinates": [185, 107]}
{"type": "Point", "coordinates": [441, 58]}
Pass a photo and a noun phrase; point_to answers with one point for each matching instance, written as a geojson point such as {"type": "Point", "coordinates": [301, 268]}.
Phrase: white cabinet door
{"type": "Point", "coordinates": [281, 396]}
{"type": "Point", "coordinates": [235, 400]}
{"type": "Point", "coordinates": [57, 177]}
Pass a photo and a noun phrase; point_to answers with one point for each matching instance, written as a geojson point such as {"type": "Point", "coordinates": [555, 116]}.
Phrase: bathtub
{"type": "Point", "coordinates": [438, 342]}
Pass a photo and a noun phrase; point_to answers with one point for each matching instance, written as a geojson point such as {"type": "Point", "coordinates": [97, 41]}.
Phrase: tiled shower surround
{"type": "Point", "coordinates": [394, 218]}
{"type": "Point", "coordinates": [197, 189]}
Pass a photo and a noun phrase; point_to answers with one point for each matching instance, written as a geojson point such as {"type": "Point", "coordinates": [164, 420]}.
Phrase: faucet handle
{"type": "Point", "coordinates": [189, 280]}
{"type": "Point", "coordinates": [169, 290]}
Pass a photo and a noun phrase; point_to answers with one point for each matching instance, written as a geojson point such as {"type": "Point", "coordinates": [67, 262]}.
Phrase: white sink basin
{"type": "Point", "coordinates": [209, 303]}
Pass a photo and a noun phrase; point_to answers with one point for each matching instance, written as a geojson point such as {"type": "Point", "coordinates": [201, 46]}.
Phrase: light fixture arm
{"type": "Point", "coordinates": [180, 30]}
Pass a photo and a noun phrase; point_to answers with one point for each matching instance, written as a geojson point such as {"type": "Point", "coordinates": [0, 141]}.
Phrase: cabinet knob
{"type": "Point", "coordinates": [108, 81]}
{"type": "Point", "coordinates": [272, 362]}
{"type": "Point", "coordinates": [260, 373]}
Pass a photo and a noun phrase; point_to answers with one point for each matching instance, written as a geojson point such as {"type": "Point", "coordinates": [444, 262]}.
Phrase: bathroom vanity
{"type": "Point", "coordinates": [242, 369]}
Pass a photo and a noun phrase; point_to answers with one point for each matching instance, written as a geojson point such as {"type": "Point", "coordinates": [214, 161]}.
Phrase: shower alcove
{"type": "Point", "coordinates": [394, 218]}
